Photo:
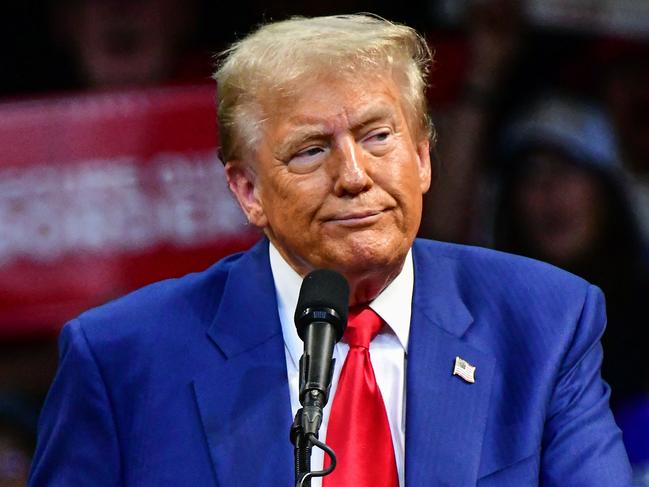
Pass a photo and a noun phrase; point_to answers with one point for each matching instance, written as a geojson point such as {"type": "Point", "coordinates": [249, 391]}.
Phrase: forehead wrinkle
{"type": "Point", "coordinates": [304, 125]}
{"type": "Point", "coordinates": [300, 135]}
{"type": "Point", "coordinates": [352, 119]}
{"type": "Point", "coordinates": [371, 114]}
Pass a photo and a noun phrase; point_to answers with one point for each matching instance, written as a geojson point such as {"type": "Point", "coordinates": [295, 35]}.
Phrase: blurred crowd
{"type": "Point", "coordinates": [551, 161]}
{"type": "Point", "coordinates": [542, 150]}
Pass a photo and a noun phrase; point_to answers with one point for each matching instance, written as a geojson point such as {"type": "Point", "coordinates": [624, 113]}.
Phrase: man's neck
{"type": "Point", "coordinates": [364, 284]}
{"type": "Point", "coordinates": [393, 304]}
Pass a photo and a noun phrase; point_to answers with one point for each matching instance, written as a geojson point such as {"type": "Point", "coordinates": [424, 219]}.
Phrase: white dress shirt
{"type": "Point", "coordinates": [387, 351]}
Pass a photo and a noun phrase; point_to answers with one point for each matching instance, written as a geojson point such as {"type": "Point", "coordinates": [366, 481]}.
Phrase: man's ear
{"type": "Point", "coordinates": [242, 182]}
{"type": "Point", "coordinates": [423, 155]}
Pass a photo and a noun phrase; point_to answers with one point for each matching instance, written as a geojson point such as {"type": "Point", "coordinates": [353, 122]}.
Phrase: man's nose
{"type": "Point", "coordinates": [351, 169]}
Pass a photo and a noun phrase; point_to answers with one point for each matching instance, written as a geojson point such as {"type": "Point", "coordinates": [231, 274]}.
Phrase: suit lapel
{"type": "Point", "coordinates": [243, 398]}
{"type": "Point", "coordinates": [445, 416]}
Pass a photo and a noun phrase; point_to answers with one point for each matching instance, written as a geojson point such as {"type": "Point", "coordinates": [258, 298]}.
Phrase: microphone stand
{"type": "Point", "coordinates": [304, 430]}
{"type": "Point", "coordinates": [302, 451]}
{"type": "Point", "coordinates": [320, 323]}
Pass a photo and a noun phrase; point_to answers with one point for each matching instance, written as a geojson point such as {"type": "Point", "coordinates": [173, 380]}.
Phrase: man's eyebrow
{"type": "Point", "coordinates": [308, 128]}
{"type": "Point", "coordinates": [303, 134]}
{"type": "Point", "coordinates": [373, 114]}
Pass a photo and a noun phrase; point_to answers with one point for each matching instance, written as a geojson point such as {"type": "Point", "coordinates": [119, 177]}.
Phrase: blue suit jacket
{"type": "Point", "coordinates": [184, 383]}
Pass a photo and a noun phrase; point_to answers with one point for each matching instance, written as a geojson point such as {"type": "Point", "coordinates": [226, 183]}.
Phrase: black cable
{"type": "Point", "coordinates": [332, 460]}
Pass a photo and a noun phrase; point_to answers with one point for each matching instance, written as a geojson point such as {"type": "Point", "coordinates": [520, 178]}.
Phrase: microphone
{"type": "Point", "coordinates": [320, 319]}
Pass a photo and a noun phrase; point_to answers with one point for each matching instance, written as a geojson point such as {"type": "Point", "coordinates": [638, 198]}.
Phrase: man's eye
{"type": "Point", "coordinates": [378, 141]}
{"type": "Point", "coordinates": [378, 136]}
{"type": "Point", "coordinates": [311, 151]}
{"type": "Point", "coordinates": [307, 159]}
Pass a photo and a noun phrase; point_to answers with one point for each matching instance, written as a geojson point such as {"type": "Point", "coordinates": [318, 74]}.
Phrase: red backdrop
{"type": "Point", "coordinates": [103, 193]}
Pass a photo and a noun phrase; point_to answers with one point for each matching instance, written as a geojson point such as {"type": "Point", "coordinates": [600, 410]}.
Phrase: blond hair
{"type": "Point", "coordinates": [282, 55]}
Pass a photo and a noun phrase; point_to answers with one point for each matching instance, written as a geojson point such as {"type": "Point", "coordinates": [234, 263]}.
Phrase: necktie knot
{"type": "Point", "coordinates": [364, 324]}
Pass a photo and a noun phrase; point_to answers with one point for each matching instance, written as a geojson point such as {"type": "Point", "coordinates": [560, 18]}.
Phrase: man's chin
{"type": "Point", "coordinates": [366, 259]}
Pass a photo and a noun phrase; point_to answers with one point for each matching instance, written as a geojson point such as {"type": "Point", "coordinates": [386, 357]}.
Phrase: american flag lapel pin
{"type": "Point", "coordinates": [464, 370]}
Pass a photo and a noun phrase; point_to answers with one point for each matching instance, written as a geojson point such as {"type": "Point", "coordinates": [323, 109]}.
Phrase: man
{"type": "Point", "coordinates": [194, 381]}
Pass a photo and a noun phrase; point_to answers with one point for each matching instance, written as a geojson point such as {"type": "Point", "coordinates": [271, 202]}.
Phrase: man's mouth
{"type": "Point", "coordinates": [356, 218]}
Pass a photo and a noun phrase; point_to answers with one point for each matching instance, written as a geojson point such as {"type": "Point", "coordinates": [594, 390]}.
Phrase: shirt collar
{"type": "Point", "coordinates": [393, 305]}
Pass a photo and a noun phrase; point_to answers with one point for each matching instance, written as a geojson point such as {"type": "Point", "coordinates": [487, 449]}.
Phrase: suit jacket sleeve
{"type": "Point", "coordinates": [581, 444]}
{"type": "Point", "coordinates": [77, 435]}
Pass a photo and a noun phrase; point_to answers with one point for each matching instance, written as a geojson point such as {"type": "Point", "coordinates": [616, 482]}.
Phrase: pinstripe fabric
{"type": "Point", "coordinates": [184, 382]}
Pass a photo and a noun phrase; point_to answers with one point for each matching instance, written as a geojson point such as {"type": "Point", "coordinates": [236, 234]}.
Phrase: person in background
{"type": "Point", "coordinates": [18, 417]}
{"type": "Point", "coordinates": [564, 199]}
{"type": "Point", "coordinates": [15, 456]}
{"type": "Point", "coordinates": [625, 91]}
{"type": "Point", "coordinates": [460, 197]}
{"type": "Point", "coordinates": [118, 43]}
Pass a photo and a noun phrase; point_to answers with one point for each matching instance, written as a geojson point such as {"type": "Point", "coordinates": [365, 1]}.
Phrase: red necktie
{"type": "Point", "coordinates": [358, 429]}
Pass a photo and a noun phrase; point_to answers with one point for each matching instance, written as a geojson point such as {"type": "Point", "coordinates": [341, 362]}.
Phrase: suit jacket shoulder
{"type": "Point", "coordinates": [538, 409]}
{"type": "Point", "coordinates": [147, 311]}
{"type": "Point", "coordinates": [165, 386]}
{"type": "Point", "coordinates": [509, 297]}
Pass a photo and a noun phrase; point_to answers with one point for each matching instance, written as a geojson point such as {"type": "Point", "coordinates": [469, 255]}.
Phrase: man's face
{"type": "Point", "coordinates": [560, 209]}
{"type": "Point", "coordinates": [338, 177]}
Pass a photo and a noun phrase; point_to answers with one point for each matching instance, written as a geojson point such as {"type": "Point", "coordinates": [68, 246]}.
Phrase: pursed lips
{"type": "Point", "coordinates": [355, 217]}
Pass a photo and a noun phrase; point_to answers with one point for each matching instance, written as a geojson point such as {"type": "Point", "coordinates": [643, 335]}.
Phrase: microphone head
{"type": "Point", "coordinates": [324, 296]}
